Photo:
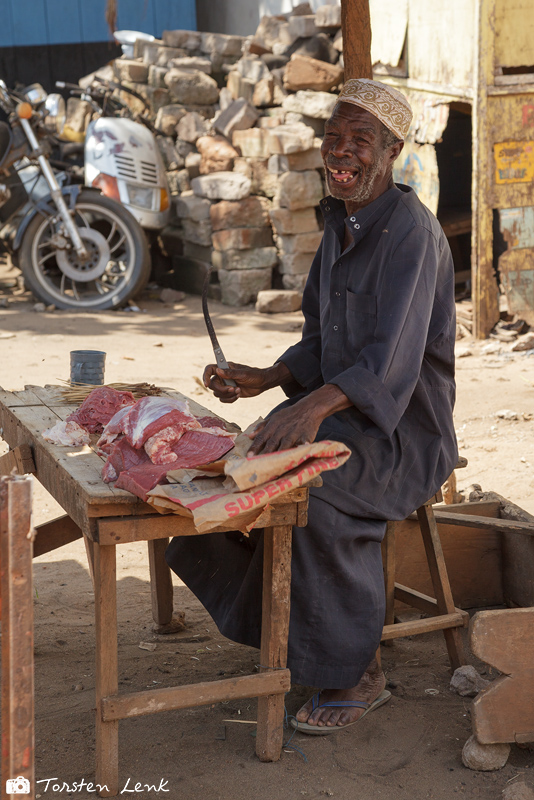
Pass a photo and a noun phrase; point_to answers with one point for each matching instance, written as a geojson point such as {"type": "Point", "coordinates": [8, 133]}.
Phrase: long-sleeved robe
{"type": "Point", "coordinates": [380, 324]}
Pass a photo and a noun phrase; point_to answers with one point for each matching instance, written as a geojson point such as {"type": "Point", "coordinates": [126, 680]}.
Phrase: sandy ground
{"type": "Point", "coordinates": [409, 750]}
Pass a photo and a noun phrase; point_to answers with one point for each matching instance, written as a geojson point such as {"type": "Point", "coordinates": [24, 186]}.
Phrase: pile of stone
{"type": "Point", "coordinates": [240, 121]}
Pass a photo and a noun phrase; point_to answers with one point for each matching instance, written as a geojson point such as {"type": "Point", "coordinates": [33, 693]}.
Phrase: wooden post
{"type": "Point", "coordinates": [17, 632]}
{"type": "Point", "coordinates": [356, 29]}
{"type": "Point", "coordinates": [485, 294]}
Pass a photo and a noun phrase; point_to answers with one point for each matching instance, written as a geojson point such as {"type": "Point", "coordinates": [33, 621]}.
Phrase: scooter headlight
{"type": "Point", "coordinates": [140, 196]}
{"type": "Point", "coordinates": [54, 118]}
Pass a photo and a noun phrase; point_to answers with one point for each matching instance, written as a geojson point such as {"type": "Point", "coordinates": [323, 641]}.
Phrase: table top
{"type": "Point", "coordinates": [72, 475]}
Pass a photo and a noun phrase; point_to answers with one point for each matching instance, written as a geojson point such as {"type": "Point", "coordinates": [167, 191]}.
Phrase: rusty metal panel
{"type": "Point", "coordinates": [516, 265]}
{"type": "Point", "coordinates": [440, 42]}
{"type": "Point", "coordinates": [517, 227]}
{"type": "Point", "coordinates": [514, 33]}
{"type": "Point", "coordinates": [417, 167]}
{"type": "Point", "coordinates": [510, 121]}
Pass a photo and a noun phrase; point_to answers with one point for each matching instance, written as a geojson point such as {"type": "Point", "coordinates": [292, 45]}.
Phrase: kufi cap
{"type": "Point", "coordinates": [382, 101]}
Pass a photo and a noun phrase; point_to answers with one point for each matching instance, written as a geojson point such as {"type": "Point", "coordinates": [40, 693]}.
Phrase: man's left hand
{"type": "Point", "coordinates": [287, 428]}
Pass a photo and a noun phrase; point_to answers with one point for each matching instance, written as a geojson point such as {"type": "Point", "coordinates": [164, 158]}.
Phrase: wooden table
{"type": "Point", "coordinates": [107, 517]}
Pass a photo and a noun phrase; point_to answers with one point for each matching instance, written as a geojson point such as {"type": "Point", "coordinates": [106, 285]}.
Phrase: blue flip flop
{"type": "Point", "coordinates": [324, 730]}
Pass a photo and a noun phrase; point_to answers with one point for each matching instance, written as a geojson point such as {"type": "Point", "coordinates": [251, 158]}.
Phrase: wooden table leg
{"type": "Point", "coordinates": [160, 582]}
{"type": "Point", "coordinates": [17, 633]}
{"type": "Point", "coordinates": [274, 633]}
{"type": "Point", "coordinates": [107, 681]}
{"type": "Point", "coordinates": [440, 582]}
{"type": "Point", "coordinates": [388, 559]}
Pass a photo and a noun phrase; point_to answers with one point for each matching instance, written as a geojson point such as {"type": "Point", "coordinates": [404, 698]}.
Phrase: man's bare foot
{"type": "Point", "coordinates": [371, 685]}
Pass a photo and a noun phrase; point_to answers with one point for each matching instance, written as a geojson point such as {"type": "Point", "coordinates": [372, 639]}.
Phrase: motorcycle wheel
{"type": "Point", "coordinates": [118, 267]}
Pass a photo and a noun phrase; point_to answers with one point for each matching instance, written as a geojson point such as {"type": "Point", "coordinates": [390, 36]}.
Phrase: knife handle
{"type": "Point", "coordinates": [223, 364]}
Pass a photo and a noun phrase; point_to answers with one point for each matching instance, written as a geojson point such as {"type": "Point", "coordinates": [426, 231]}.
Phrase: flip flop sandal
{"type": "Point", "coordinates": [324, 730]}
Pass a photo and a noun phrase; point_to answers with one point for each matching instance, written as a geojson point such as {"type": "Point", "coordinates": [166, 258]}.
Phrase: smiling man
{"type": "Point", "coordinates": [374, 369]}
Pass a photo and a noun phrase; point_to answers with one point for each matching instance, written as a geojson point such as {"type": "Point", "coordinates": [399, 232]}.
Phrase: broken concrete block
{"type": "Point", "coordinates": [317, 125]}
{"type": "Point", "coordinates": [269, 31]}
{"type": "Point", "coordinates": [302, 9]}
{"type": "Point", "coordinates": [192, 87]}
{"type": "Point", "coordinates": [290, 139]}
{"type": "Point", "coordinates": [258, 258]}
{"type": "Point", "coordinates": [198, 251]}
{"type": "Point", "coordinates": [262, 181]}
{"type": "Point", "coordinates": [222, 186]}
{"type": "Point", "coordinates": [190, 206]}
{"type": "Point", "coordinates": [221, 43]}
{"type": "Point", "coordinates": [179, 181]}
{"type": "Point", "coordinates": [312, 104]}
{"type": "Point", "coordinates": [276, 301]}
{"type": "Point", "coordinates": [217, 154]}
{"type": "Point", "coordinates": [192, 164]}
{"type": "Point", "coordinates": [251, 212]}
{"type": "Point", "coordinates": [299, 242]}
{"type": "Point", "coordinates": [171, 157]}
{"type": "Point", "coordinates": [484, 757]}
{"type": "Point", "coordinates": [295, 282]}
{"type": "Point", "coordinates": [338, 41]}
{"type": "Point", "coordinates": [165, 54]}
{"type": "Point", "coordinates": [319, 47]}
{"type": "Point", "coordinates": [307, 159]}
{"type": "Point", "coordinates": [168, 117]}
{"type": "Point", "coordinates": [302, 72]}
{"type": "Point", "coordinates": [197, 232]}
{"type": "Point", "coordinates": [252, 68]}
{"type": "Point", "coordinates": [191, 64]}
{"type": "Point", "coordinates": [239, 87]}
{"type": "Point", "coordinates": [240, 287]}
{"type": "Point", "coordinates": [252, 143]}
{"type": "Point", "coordinates": [189, 40]}
{"type": "Point", "coordinates": [295, 263]}
{"type": "Point", "coordinates": [238, 116]}
{"type": "Point", "coordinates": [302, 26]}
{"type": "Point", "coordinates": [263, 94]}
{"type": "Point", "coordinates": [271, 120]}
{"type": "Point", "coordinates": [300, 190]}
{"type": "Point", "coordinates": [191, 127]}
{"type": "Point", "coordinates": [126, 69]}
{"type": "Point", "coordinates": [467, 682]}
{"type": "Point", "coordinates": [242, 238]}
{"type": "Point", "coordinates": [285, 221]}
{"type": "Point", "coordinates": [328, 17]}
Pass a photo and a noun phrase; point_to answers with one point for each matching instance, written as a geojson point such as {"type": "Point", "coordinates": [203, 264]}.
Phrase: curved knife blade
{"type": "Point", "coordinates": [219, 356]}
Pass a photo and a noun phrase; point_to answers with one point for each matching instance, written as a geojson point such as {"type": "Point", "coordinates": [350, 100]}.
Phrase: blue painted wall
{"type": "Point", "coordinates": [42, 22]}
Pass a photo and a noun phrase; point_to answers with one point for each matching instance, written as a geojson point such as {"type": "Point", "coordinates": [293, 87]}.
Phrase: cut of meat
{"type": "Point", "coordinates": [112, 429]}
{"type": "Point", "coordinates": [212, 422]}
{"type": "Point", "coordinates": [140, 480]}
{"type": "Point", "coordinates": [151, 414]}
{"type": "Point", "coordinates": [159, 447]}
{"type": "Point", "coordinates": [199, 447]}
{"type": "Point", "coordinates": [67, 433]}
{"type": "Point", "coordinates": [121, 457]}
{"type": "Point", "coordinates": [99, 407]}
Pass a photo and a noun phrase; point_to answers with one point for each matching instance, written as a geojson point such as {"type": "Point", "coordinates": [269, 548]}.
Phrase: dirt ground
{"type": "Point", "coordinates": [408, 750]}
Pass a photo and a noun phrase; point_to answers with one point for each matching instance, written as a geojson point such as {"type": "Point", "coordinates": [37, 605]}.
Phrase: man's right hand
{"type": "Point", "coordinates": [250, 381]}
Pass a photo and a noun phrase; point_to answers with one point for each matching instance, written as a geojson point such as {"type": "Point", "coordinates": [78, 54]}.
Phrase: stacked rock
{"type": "Point", "coordinates": [240, 122]}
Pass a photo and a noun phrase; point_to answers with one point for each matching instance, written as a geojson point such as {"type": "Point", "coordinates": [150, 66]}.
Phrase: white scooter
{"type": "Point", "coordinates": [122, 157]}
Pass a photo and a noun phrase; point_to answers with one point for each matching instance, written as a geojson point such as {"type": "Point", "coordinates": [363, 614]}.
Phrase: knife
{"type": "Point", "coordinates": [219, 356]}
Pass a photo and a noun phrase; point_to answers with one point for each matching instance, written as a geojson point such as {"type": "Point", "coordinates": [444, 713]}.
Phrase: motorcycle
{"type": "Point", "coordinates": [76, 248]}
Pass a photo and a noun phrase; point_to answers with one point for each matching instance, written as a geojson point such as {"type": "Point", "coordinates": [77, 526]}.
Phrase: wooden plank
{"type": "Point", "coordinates": [160, 582]}
{"type": "Point", "coordinates": [18, 740]}
{"type": "Point", "coordinates": [484, 285]}
{"type": "Point", "coordinates": [20, 460]}
{"type": "Point", "coordinates": [440, 581]}
{"type": "Point", "coordinates": [274, 635]}
{"type": "Point", "coordinates": [137, 704]}
{"type": "Point", "coordinates": [504, 639]}
{"type": "Point", "coordinates": [389, 561]}
{"type": "Point", "coordinates": [442, 622]}
{"type": "Point", "coordinates": [356, 28]}
{"type": "Point", "coordinates": [54, 534]}
{"type": "Point", "coordinates": [106, 673]}
{"type": "Point", "coordinates": [484, 523]}
{"type": "Point", "coordinates": [117, 530]}
{"type": "Point", "coordinates": [423, 602]}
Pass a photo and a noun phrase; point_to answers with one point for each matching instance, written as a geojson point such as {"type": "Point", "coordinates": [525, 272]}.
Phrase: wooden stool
{"type": "Point", "coordinates": [444, 615]}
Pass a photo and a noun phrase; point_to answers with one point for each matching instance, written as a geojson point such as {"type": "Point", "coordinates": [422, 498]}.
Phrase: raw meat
{"type": "Point", "coordinates": [121, 457]}
{"type": "Point", "coordinates": [67, 433]}
{"type": "Point", "coordinates": [140, 480]}
{"type": "Point", "coordinates": [99, 407]}
{"type": "Point", "coordinates": [200, 447]}
{"type": "Point", "coordinates": [112, 429]}
{"type": "Point", "coordinates": [159, 447]}
{"type": "Point", "coordinates": [151, 414]}
{"type": "Point", "coordinates": [212, 422]}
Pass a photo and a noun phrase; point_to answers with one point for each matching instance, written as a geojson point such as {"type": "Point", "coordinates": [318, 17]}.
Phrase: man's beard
{"type": "Point", "coordinates": [364, 186]}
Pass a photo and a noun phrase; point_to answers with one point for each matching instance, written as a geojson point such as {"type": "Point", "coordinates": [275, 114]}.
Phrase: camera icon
{"type": "Point", "coordinates": [18, 785]}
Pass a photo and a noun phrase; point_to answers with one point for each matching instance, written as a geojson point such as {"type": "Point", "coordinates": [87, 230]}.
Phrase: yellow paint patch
{"type": "Point", "coordinates": [514, 162]}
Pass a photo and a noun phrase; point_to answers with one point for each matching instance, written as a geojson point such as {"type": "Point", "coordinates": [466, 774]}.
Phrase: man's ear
{"type": "Point", "coordinates": [395, 151]}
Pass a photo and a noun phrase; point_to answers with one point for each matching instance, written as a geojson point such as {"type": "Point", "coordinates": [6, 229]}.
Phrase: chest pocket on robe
{"type": "Point", "coordinates": [360, 321]}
